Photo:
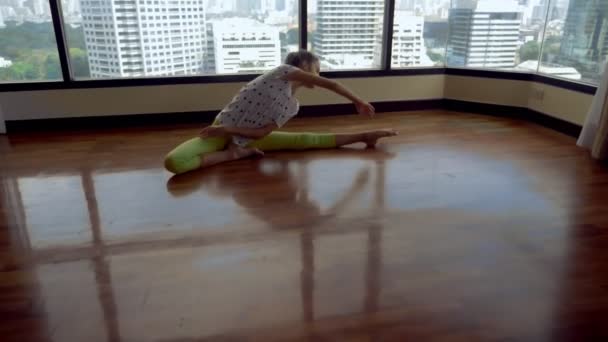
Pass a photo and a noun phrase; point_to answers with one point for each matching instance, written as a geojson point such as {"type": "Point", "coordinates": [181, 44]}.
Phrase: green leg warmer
{"type": "Point", "coordinates": [188, 156]}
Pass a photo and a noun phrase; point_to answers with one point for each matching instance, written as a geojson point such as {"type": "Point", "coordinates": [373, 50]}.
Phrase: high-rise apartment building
{"type": "Point", "coordinates": [347, 31]}
{"type": "Point", "coordinates": [267, 6]}
{"type": "Point", "coordinates": [242, 45]}
{"type": "Point", "coordinates": [38, 7]}
{"type": "Point", "coordinates": [484, 36]}
{"type": "Point", "coordinates": [408, 48]}
{"type": "Point", "coordinates": [129, 38]}
{"type": "Point", "coordinates": [71, 6]}
{"type": "Point", "coordinates": [428, 8]}
{"type": "Point", "coordinates": [209, 65]}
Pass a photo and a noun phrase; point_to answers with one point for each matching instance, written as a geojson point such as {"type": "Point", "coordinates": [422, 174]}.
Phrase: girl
{"type": "Point", "coordinates": [247, 125]}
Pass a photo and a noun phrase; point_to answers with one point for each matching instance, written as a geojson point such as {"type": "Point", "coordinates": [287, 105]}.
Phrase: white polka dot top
{"type": "Point", "coordinates": [267, 99]}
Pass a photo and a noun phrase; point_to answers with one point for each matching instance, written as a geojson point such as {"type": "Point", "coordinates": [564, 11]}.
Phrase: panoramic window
{"type": "Point", "coordinates": [420, 32]}
{"type": "Point", "coordinates": [346, 34]}
{"type": "Point", "coordinates": [28, 50]}
{"type": "Point", "coordinates": [163, 38]}
{"type": "Point", "coordinates": [126, 38]}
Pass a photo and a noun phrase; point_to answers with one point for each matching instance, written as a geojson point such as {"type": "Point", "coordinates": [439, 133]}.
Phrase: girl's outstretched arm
{"type": "Point", "coordinates": [311, 80]}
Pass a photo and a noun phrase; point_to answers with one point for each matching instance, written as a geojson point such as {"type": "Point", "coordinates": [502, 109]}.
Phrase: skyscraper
{"type": "Point", "coordinates": [484, 36]}
{"type": "Point", "coordinates": [209, 65]}
{"type": "Point", "coordinates": [242, 45]}
{"type": "Point", "coordinates": [220, 6]}
{"type": "Point", "coordinates": [560, 8]}
{"type": "Point", "coordinates": [405, 5]}
{"type": "Point", "coordinates": [71, 6]}
{"type": "Point", "coordinates": [142, 38]}
{"type": "Point", "coordinates": [38, 7]}
{"type": "Point", "coordinates": [347, 31]}
{"type": "Point", "coordinates": [267, 5]}
{"type": "Point", "coordinates": [585, 39]}
{"type": "Point", "coordinates": [408, 43]}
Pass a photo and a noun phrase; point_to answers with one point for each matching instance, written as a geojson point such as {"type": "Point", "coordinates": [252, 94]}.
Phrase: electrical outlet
{"type": "Point", "coordinates": [538, 94]}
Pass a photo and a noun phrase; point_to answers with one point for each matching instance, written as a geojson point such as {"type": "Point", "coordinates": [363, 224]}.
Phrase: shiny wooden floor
{"type": "Point", "coordinates": [463, 228]}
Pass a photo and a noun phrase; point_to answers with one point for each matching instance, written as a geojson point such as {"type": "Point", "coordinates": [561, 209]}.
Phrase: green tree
{"type": "Point", "coordinates": [436, 57]}
{"type": "Point", "coordinates": [10, 74]}
{"type": "Point", "coordinates": [529, 51]}
{"type": "Point", "coordinates": [11, 52]}
{"type": "Point", "coordinates": [75, 37]}
{"type": "Point", "coordinates": [551, 48]}
{"type": "Point", "coordinates": [21, 71]}
{"type": "Point", "coordinates": [32, 72]}
{"type": "Point", "coordinates": [52, 67]}
{"type": "Point", "coordinates": [32, 49]}
{"type": "Point", "coordinates": [79, 63]}
{"type": "Point", "coordinates": [24, 37]}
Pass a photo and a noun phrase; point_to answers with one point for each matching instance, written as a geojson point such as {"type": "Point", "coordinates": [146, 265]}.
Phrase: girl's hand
{"type": "Point", "coordinates": [365, 109]}
{"type": "Point", "coordinates": [213, 132]}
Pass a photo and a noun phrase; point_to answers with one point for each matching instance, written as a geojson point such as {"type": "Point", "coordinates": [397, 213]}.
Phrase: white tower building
{"type": "Point", "coordinates": [130, 38]}
{"type": "Point", "coordinates": [347, 30]}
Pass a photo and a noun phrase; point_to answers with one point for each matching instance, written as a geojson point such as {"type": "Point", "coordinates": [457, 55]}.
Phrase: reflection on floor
{"type": "Point", "coordinates": [464, 227]}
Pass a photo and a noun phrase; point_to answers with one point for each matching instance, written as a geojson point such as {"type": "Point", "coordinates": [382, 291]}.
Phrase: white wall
{"type": "Point", "coordinates": [568, 105]}
{"type": "Point", "coordinates": [196, 97]}
{"type": "Point", "coordinates": [487, 90]}
{"type": "Point", "coordinates": [564, 104]}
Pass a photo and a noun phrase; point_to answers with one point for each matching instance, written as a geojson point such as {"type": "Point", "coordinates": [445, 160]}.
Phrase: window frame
{"type": "Point", "coordinates": [69, 82]}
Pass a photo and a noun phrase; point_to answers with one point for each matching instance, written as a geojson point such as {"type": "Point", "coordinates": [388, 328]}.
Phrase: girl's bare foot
{"type": "Point", "coordinates": [371, 138]}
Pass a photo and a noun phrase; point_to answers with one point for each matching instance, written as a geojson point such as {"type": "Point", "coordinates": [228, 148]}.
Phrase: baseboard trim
{"type": "Point", "coordinates": [202, 117]}
{"type": "Point", "coordinates": [109, 121]}
{"type": "Point", "coordinates": [554, 123]}
{"type": "Point", "coordinates": [521, 113]}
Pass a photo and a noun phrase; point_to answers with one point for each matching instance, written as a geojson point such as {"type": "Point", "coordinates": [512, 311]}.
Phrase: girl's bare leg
{"type": "Point", "coordinates": [232, 152]}
{"type": "Point", "coordinates": [370, 138]}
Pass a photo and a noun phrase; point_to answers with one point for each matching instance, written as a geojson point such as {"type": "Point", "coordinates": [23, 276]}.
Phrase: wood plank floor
{"type": "Point", "coordinates": [463, 228]}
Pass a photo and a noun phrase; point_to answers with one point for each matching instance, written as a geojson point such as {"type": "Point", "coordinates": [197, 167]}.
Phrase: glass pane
{"type": "Point", "coordinates": [496, 34]}
{"type": "Point", "coordinates": [28, 50]}
{"type": "Point", "coordinates": [147, 38]}
{"type": "Point", "coordinates": [576, 43]}
{"type": "Point", "coordinates": [346, 34]}
{"type": "Point", "coordinates": [420, 32]}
